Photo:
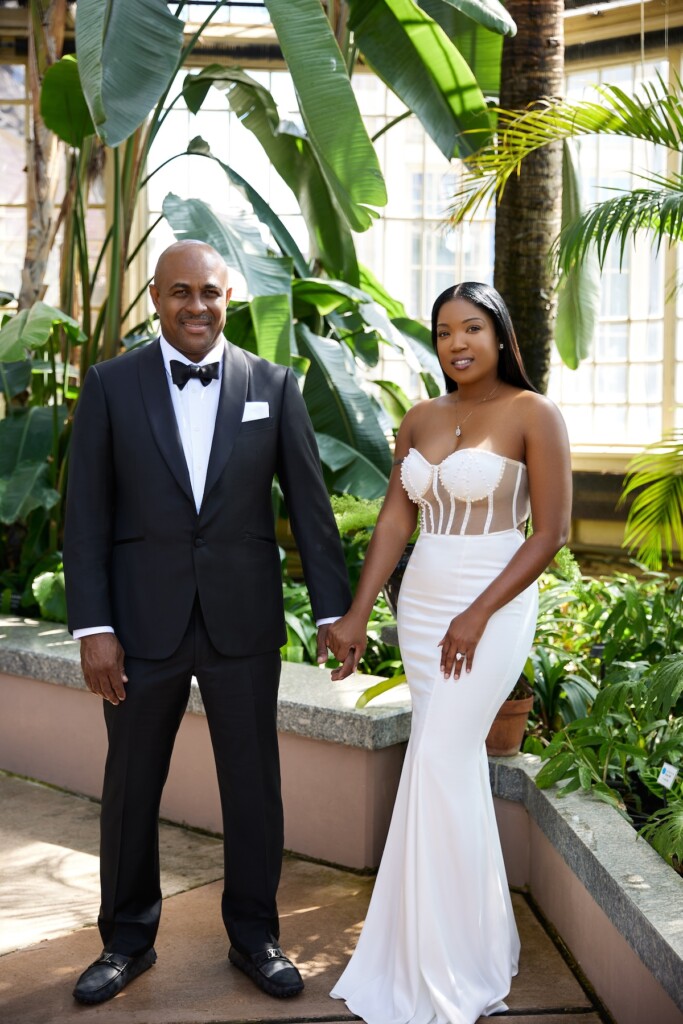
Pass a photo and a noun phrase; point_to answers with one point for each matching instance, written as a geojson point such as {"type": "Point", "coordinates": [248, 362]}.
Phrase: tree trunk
{"type": "Point", "coordinates": [45, 42]}
{"type": "Point", "coordinates": [528, 218]}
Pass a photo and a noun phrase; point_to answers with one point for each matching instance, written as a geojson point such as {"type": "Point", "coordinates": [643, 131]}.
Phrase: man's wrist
{"type": "Point", "coordinates": [328, 621]}
{"type": "Point", "coordinates": [78, 634]}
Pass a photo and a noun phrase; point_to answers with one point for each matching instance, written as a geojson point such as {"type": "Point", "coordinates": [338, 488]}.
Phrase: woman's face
{"type": "Point", "coordinates": [467, 345]}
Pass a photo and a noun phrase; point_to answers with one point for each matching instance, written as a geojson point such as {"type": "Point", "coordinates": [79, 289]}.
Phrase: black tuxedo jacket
{"type": "Point", "coordinates": [136, 551]}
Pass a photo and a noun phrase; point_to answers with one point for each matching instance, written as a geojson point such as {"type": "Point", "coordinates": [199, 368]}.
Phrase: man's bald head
{"type": "Point", "coordinates": [190, 293]}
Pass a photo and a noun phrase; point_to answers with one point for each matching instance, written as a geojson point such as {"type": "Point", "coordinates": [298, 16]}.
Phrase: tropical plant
{"type": "Point", "coordinates": [621, 639]}
{"type": "Point", "coordinates": [331, 167]}
{"type": "Point", "coordinates": [34, 439]}
{"type": "Point", "coordinates": [654, 115]}
{"type": "Point", "coordinates": [654, 527]}
{"type": "Point", "coordinates": [617, 752]}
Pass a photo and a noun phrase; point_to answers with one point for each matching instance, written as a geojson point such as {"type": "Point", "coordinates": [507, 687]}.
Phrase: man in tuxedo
{"type": "Point", "coordinates": [173, 571]}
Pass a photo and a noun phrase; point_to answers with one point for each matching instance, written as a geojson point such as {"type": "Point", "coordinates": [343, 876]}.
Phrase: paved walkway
{"type": "Point", "coordinates": [48, 906]}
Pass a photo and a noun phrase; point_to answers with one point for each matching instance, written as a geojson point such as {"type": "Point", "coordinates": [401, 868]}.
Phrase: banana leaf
{"type": "Point", "coordinates": [345, 154]}
{"type": "Point", "coordinates": [353, 472]}
{"type": "Point", "coordinates": [31, 329]}
{"type": "Point", "coordinates": [264, 212]}
{"type": "Point", "coordinates": [417, 61]}
{"type": "Point", "coordinates": [340, 408]}
{"type": "Point", "coordinates": [479, 42]}
{"type": "Point", "coordinates": [292, 155]}
{"type": "Point", "coordinates": [119, 45]}
{"type": "Point", "coordinates": [62, 103]}
{"type": "Point", "coordinates": [26, 439]}
{"type": "Point", "coordinates": [578, 307]}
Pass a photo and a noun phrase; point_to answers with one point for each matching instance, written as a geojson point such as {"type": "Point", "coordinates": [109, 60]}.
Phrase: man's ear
{"type": "Point", "coordinates": [228, 295]}
{"type": "Point", "coordinates": [154, 294]}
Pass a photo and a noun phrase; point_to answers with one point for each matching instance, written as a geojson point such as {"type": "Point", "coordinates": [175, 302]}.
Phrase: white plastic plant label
{"type": "Point", "coordinates": [667, 775]}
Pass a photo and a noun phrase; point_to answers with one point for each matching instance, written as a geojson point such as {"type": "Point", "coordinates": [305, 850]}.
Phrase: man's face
{"type": "Point", "coordinates": [190, 293]}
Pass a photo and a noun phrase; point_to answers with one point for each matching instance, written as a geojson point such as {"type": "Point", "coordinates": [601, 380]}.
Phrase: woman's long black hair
{"type": "Point", "coordinates": [510, 365]}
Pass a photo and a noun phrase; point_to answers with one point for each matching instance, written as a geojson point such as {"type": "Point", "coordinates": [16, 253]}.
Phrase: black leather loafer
{"type": "Point", "coordinates": [270, 970]}
{"type": "Point", "coordinates": [109, 974]}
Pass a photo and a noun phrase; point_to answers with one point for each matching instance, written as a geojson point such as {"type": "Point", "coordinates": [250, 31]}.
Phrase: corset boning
{"type": "Point", "coordinates": [471, 492]}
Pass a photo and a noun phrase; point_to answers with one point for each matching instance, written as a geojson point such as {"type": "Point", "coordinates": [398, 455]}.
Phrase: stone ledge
{"type": "Point", "coordinates": [309, 704]}
{"type": "Point", "coordinates": [636, 889]}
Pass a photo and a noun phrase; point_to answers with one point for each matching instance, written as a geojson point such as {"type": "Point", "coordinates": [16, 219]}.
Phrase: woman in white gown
{"type": "Point", "coordinates": [440, 945]}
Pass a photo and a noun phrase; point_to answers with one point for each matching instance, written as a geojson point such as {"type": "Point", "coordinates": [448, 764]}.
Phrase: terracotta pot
{"type": "Point", "coordinates": [507, 731]}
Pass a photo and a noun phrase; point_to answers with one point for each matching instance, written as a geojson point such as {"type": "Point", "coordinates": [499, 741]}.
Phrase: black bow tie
{"type": "Point", "coordinates": [182, 372]}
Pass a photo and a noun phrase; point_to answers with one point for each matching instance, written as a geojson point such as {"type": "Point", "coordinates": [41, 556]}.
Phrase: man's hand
{"type": "Point", "coordinates": [102, 663]}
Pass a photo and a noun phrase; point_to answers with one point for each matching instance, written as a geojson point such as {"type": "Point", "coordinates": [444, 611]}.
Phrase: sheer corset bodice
{"type": "Point", "coordinates": [471, 492]}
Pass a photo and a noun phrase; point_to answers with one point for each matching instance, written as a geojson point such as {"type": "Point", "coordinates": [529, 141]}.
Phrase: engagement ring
{"type": "Point", "coordinates": [459, 656]}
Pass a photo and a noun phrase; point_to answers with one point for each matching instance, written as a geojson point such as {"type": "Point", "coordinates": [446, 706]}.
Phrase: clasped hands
{"type": "Point", "coordinates": [347, 639]}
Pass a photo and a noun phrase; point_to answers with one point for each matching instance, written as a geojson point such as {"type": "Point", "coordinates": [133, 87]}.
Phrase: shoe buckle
{"type": "Point", "coordinates": [273, 954]}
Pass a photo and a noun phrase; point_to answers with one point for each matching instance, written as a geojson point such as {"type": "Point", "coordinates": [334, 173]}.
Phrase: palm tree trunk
{"type": "Point", "coordinates": [45, 41]}
{"type": "Point", "coordinates": [529, 215]}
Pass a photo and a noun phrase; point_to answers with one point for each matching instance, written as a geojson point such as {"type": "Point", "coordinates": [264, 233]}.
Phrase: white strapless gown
{"type": "Point", "coordinates": [440, 944]}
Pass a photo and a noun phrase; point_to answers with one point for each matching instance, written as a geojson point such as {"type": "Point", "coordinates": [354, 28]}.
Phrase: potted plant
{"type": "Point", "coordinates": [507, 731]}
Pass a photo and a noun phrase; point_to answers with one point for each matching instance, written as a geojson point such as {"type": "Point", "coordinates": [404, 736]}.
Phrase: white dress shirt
{"type": "Point", "coordinates": [195, 409]}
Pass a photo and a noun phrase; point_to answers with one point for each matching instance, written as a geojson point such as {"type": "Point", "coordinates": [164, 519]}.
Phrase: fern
{"type": "Point", "coordinates": [664, 831]}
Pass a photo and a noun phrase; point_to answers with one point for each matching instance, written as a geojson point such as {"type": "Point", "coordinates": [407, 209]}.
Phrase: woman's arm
{"type": "Point", "coordinates": [395, 524]}
{"type": "Point", "coordinates": [550, 490]}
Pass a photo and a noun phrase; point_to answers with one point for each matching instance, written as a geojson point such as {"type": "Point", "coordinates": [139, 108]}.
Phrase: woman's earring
{"type": "Point", "coordinates": [500, 345]}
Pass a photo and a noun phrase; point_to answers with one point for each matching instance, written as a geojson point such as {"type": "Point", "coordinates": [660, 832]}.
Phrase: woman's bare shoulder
{"type": "Point", "coordinates": [541, 421]}
{"type": "Point", "coordinates": [534, 406]}
{"type": "Point", "coordinates": [422, 411]}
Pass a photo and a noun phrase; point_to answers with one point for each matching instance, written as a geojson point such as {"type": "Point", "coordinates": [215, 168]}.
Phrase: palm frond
{"type": "Point", "coordinates": [656, 115]}
{"type": "Point", "coordinates": [659, 211]}
{"type": "Point", "coordinates": [654, 526]}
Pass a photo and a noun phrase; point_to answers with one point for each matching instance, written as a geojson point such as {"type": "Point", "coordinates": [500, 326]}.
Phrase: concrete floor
{"type": "Point", "coordinates": [48, 907]}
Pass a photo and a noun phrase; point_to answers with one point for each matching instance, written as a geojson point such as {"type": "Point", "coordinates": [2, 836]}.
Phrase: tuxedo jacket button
{"type": "Point", "coordinates": [199, 542]}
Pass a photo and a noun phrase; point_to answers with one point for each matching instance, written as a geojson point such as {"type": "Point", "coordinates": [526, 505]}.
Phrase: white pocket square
{"type": "Point", "coordinates": [255, 411]}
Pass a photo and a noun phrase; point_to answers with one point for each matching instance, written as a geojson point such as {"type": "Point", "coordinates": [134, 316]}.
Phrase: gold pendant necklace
{"type": "Point", "coordinates": [486, 398]}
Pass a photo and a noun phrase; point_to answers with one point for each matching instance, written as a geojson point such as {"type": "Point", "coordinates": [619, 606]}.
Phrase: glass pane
{"type": "Point", "coordinates": [12, 81]}
{"type": "Point", "coordinates": [610, 383]}
{"type": "Point", "coordinates": [13, 153]}
{"type": "Point", "coordinates": [644, 424]}
{"type": "Point", "coordinates": [579, 420]}
{"type": "Point", "coordinates": [12, 249]}
{"type": "Point", "coordinates": [609, 421]}
{"type": "Point", "coordinates": [644, 382]}
{"type": "Point", "coordinates": [612, 342]}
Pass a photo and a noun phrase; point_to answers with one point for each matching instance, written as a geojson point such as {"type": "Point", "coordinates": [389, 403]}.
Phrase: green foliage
{"type": "Point", "coordinates": [115, 43]}
{"type": "Point", "coordinates": [49, 592]}
{"type": "Point", "coordinates": [654, 527]}
{"type": "Point", "coordinates": [354, 515]}
{"type": "Point", "coordinates": [618, 643]}
{"type": "Point", "coordinates": [417, 60]}
{"type": "Point", "coordinates": [345, 154]}
{"type": "Point", "coordinates": [38, 385]}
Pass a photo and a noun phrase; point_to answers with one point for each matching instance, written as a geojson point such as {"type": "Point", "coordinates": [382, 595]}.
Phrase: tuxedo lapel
{"type": "Point", "coordinates": [234, 386]}
{"type": "Point", "coordinates": [159, 408]}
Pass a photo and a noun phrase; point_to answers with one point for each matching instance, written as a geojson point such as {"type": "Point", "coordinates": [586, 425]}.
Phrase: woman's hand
{"type": "Point", "coordinates": [347, 639]}
{"type": "Point", "coordinates": [460, 642]}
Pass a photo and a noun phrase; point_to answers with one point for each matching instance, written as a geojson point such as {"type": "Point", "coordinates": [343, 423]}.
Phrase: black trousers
{"type": "Point", "coordinates": [240, 698]}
